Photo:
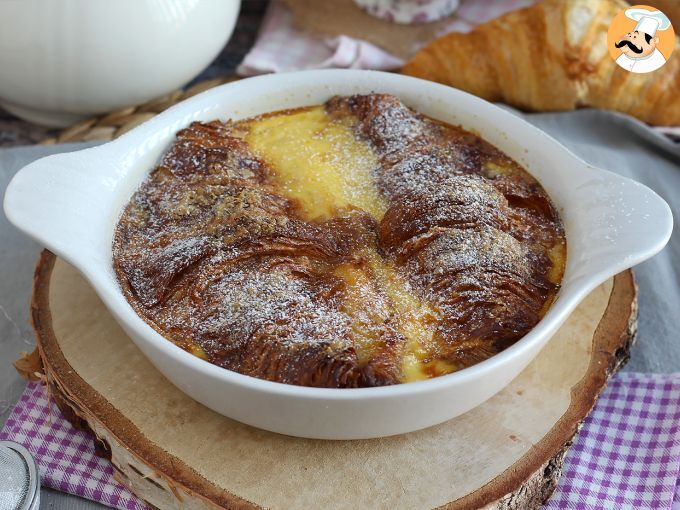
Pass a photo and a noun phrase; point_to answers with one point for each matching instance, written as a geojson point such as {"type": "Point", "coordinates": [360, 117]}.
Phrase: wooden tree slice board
{"type": "Point", "coordinates": [173, 452]}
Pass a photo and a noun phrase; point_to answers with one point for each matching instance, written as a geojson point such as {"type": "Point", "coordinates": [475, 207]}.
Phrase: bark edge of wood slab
{"type": "Point", "coordinates": [155, 475]}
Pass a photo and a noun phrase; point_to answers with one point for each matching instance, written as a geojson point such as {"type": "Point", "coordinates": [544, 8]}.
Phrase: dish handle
{"type": "Point", "coordinates": [64, 202]}
{"type": "Point", "coordinates": [628, 223]}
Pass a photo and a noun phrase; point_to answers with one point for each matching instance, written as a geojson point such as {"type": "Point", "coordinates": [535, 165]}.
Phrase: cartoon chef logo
{"type": "Point", "coordinates": [641, 39]}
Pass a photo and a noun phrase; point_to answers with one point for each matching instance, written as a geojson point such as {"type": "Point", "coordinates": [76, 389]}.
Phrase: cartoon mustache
{"type": "Point", "coordinates": [626, 42]}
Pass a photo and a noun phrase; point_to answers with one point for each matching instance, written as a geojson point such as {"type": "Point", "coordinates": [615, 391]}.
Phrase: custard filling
{"type": "Point", "coordinates": [351, 244]}
{"type": "Point", "coordinates": [320, 163]}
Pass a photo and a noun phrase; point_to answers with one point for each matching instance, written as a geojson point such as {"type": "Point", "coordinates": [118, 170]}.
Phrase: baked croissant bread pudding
{"type": "Point", "coordinates": [551, 57]}
{"type": "Point", "coordinates": [352, 244]}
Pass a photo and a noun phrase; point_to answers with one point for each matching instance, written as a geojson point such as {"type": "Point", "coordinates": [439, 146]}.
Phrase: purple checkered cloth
{"type": "Point", "coordinates": [627, 455]}
{"type": "Point", "coordinates": [66, 456]}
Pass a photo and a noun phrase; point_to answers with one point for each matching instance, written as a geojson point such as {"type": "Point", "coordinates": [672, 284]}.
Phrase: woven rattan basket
{"type": "Point", "coordinates": [114, 124]}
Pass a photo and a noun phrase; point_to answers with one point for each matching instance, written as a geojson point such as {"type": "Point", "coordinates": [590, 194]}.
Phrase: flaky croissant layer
{"type": "Point", "coordinates": [454, 262]}
{"type": "Point", "coordinates": [552, 56]}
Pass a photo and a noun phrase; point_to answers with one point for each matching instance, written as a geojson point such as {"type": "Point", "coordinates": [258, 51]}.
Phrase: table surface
{"type": "Point", "coordinates": [603, 139]}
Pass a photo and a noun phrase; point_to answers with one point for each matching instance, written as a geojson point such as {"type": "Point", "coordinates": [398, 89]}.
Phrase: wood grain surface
{"type": "Point", "coordinates": [173, 452]}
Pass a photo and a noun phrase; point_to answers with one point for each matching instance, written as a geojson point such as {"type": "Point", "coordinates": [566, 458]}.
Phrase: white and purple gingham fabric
{"type": "Point", "coordinates": [627, 455]}
{"type": "Point", "coordinates": [65, 456]}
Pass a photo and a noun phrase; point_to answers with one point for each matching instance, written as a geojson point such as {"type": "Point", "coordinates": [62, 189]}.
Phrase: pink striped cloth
{"type": "Point", "coordinates": [281, 46]}
{"type": "Point", "coordinates": [627, 455]}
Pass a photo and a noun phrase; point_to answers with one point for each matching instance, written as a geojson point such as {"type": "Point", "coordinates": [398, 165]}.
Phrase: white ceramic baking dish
{"type": "Point", "coordinates": [71, 202]}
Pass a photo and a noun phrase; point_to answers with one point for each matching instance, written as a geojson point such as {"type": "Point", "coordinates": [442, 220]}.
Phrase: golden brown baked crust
{"type": "Point", "coordinates": [214, 256]}
{"type": "Point", "coordinates": [551, 57]}
{"type": "Point", "coordinates": [479, 260]}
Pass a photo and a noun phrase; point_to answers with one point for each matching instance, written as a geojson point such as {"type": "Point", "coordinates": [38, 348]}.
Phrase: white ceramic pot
{"type": "Point", "coordinates": [70, 203]}
{"type": "Point", "coordinates": [62, 60]}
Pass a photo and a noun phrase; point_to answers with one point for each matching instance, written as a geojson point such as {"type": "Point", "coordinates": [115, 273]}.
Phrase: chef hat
{"type": "Point", "coordinates": [649, 21]}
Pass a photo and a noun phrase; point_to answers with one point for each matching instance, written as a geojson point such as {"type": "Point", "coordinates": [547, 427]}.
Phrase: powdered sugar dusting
{"type": "Point", "coordinates": [241, 303]}
{"type": "Point", "coordinates": [362, 245]}
{"type": "Point", "coordinates": [471, 251]}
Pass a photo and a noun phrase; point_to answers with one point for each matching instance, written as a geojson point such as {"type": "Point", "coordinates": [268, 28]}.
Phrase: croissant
{"type": "Point", "coordinates": [551, 57]}
{"type": "Point", "coordinates": [215, 254]}
{"type": "Point", "coordinates": [217, 260]}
